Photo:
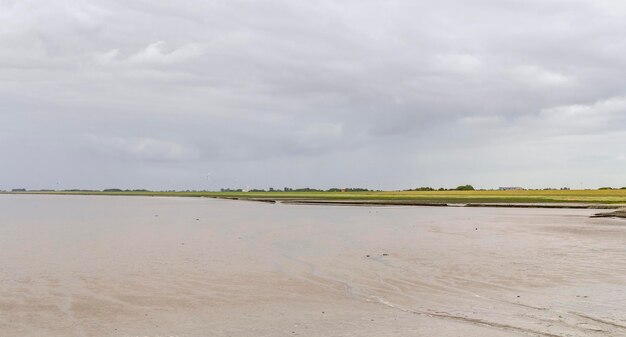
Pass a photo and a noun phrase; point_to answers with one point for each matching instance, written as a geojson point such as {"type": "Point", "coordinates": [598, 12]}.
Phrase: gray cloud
{"type": "Point", "coordinates": [382, 94]}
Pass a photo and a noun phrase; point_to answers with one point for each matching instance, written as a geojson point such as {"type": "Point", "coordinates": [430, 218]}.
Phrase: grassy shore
{"type": "Point", "coordinates": [450, 197]}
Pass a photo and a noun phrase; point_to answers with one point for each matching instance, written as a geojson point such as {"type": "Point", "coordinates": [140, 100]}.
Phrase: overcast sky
{"type": "Point", "coordinates": [379, 94]}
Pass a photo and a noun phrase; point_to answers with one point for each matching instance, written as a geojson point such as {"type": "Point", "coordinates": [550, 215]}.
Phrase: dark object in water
{"type": "Point", "coordinates": [620, 213]}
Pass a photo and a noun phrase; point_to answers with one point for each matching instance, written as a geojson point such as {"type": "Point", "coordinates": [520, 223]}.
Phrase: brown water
{"type": "Point", "coordinates": [135, 266]}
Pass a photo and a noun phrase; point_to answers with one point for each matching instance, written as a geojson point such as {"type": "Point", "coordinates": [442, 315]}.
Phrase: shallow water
{"type": "Point", "coordinates": [147, 266]}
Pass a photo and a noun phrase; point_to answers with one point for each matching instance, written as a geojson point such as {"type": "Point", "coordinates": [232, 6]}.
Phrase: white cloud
{"type": "Point", "coordinates": [159, 53]}
{"type": "Point", "coordinates": [537, 76]}
{"type": "Point", "coordinates": [107, 58]}
{"type": "Point", "coordinates": [141, 149]}
{"type": "Point", "coordinates": [480, 121]}
{"type": "Point", "coordinates": [600, 117]}
{"type": "Point", "coordinates": [460, 63]}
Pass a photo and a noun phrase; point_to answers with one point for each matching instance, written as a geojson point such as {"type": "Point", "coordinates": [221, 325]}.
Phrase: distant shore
{"type": "Point", "coordinates": [572, 199]}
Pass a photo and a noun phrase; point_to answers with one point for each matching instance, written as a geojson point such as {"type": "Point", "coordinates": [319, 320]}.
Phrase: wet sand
{"type": "Point", "coordinates": [110, 266]}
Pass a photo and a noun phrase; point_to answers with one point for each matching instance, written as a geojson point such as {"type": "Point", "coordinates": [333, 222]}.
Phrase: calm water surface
{"type": "Point", "coordinates": [142, 266]}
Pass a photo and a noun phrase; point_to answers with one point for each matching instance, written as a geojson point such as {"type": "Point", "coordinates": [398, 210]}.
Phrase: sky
{"type": "Point", "coordinates": [289, 93]}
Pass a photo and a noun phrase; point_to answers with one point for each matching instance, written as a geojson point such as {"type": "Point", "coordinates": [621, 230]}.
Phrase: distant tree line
{"type": "Point", "coordinates": [121, 190]}
{"type": "Point", "coordinates": [79, 190]}
{"type": "Point", "coordinates": [348, 189]}
{"type": "Point", "coordinates": [351, 189]}
{"type": "Point", "coordinates": [289, 189]}
{"type": "Point", "coordinates": [305, 189]}
{"type": "Point", "coordinates": [458, 188]}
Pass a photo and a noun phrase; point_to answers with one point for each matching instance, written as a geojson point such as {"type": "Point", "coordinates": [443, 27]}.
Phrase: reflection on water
{"type": "Point", "coordinates": [130, 266]}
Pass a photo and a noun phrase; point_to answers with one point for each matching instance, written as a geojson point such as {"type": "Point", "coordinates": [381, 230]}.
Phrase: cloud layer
{"type": "Point", "coordinates": [379, 94]}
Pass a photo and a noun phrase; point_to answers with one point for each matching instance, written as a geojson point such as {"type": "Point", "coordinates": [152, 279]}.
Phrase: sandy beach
{"type": "Point", "coordinates": [191, 267]}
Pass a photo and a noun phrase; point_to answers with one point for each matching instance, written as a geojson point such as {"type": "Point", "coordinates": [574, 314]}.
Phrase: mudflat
{"type": "Point", "coordinates": [152, 266]}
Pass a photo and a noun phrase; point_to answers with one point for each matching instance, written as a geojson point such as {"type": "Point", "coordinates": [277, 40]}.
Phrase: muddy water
{"type": "Point", "coordinates": [135, 266]}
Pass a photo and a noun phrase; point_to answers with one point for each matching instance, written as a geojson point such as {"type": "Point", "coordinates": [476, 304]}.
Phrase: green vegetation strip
{"type": "Point", "coordinates": [450, 197]}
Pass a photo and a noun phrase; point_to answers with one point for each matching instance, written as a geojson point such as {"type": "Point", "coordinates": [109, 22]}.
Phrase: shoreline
{"type": "Point", "coordinates": [617, 210]}
{"type": "Point", "coordinates": [437, 204]}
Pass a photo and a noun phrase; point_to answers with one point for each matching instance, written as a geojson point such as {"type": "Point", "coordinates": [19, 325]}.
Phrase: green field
{"type": "Point", "coordinates": [530, 196]}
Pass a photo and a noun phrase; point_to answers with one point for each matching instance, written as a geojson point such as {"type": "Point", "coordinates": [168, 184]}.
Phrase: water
{"type": "Point", "coordinates": [148, 266]}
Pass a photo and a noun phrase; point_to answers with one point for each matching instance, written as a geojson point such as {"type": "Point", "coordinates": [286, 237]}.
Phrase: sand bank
{"type": "Point", "coordinates": [394, 202]}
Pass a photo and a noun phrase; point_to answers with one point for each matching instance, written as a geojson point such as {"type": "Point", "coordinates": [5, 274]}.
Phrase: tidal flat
{"type": "Point", "coordinates": [194, 267]}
